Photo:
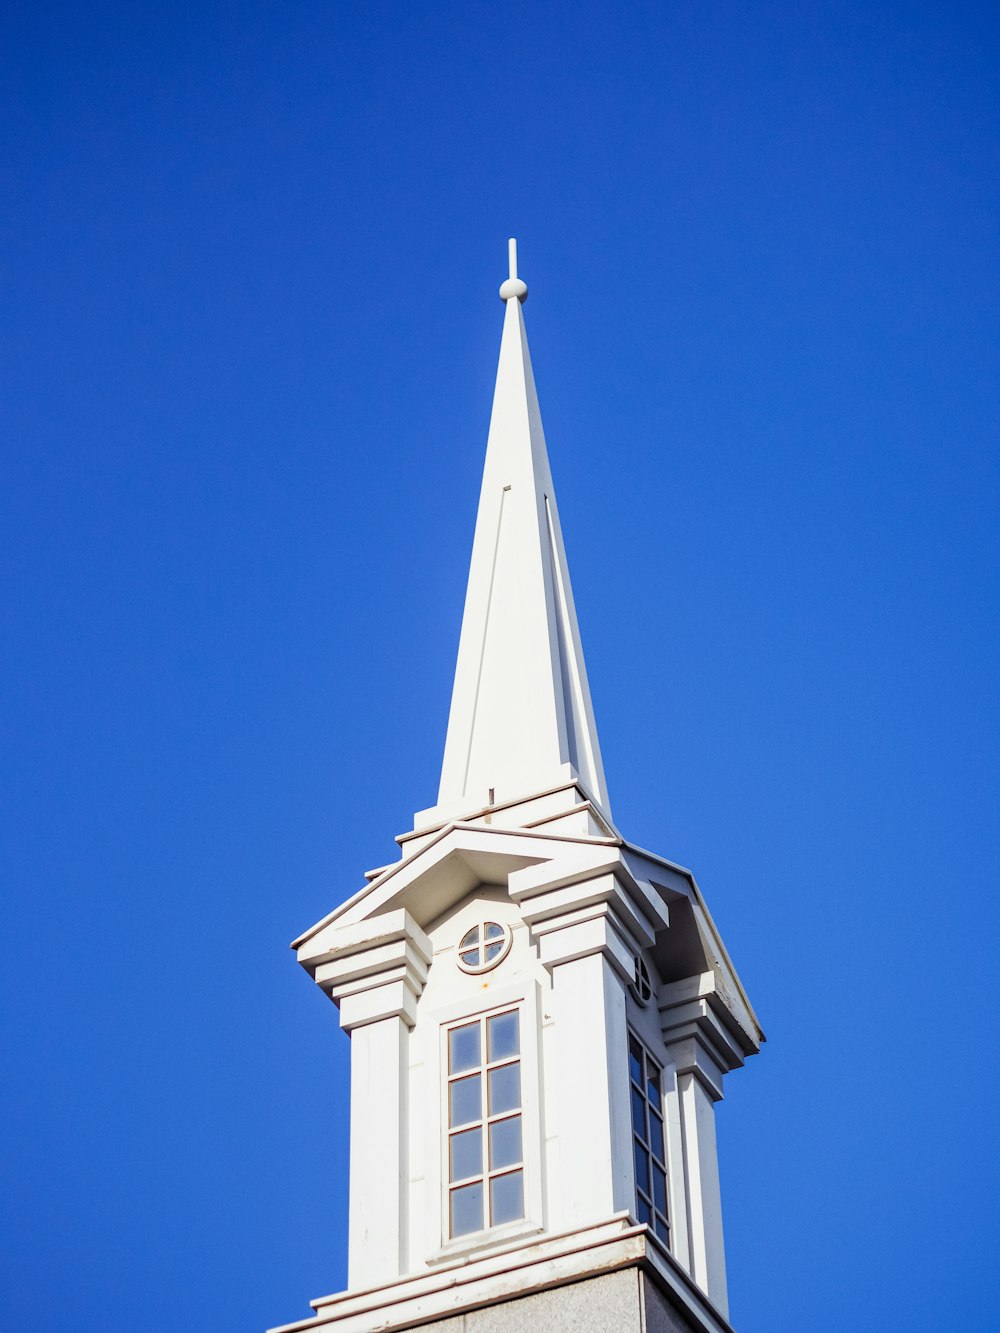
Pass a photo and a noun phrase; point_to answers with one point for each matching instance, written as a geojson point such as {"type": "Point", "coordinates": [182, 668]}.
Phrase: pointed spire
{"type": "Point", "coordinates": [521, 717]}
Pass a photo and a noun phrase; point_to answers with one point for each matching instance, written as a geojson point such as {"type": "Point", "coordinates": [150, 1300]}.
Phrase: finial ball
{"type": "Point", "coordinates": [513, 287]}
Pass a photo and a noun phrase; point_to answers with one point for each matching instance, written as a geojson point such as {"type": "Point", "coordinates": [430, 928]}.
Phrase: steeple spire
{"type": "Point", "coordinates": [521, 716]}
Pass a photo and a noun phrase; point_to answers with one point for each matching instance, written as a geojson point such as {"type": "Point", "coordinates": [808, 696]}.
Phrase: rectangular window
{"type": "Point", "coordinates": [646, 1086]}
{"type": "Point", "coordinates": [485, 1140]}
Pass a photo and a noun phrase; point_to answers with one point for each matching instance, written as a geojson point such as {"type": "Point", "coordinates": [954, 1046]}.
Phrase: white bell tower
{"type": "Point", "coordinates": [540, 1013]}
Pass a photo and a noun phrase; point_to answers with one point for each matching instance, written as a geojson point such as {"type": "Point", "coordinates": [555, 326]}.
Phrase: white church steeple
{"type": "Point", "coordinates": [541, 1013]}
{"type": "Point", "coordinates": [521, 716]}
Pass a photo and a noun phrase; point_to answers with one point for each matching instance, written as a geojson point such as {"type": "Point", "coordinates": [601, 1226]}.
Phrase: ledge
{"type": "Point", "coordinates": [509, 1273]}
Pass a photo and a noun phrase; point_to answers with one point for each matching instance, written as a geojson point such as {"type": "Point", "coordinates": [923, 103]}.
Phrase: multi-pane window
{"type": "Point", "coordinates": [485, 1145]}
{"type": "Point", "coordinates": [646, 1078]}
{"type": "Point", "coordinates": [483, 946]}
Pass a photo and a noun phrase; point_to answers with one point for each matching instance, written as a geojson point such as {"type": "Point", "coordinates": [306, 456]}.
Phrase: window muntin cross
{"type": "Point", "coordinates": [482, 947]}
{"type": "Point", "coordinates": [485, 1147]}
{"type": "Point", "coordinates": [642, 987]}
{"type": "Point", "coordinates": [646, 1087]}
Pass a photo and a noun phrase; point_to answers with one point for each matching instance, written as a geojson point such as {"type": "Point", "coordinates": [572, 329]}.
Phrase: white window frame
{"type": "Point", "coordinates": [486, 964]}
{"type": "Point", "coordinates": [524, 998]}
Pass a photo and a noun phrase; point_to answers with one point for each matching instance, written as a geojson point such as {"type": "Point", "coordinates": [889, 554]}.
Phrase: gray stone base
{"type": "Point", "coordinates": [624, 1302]}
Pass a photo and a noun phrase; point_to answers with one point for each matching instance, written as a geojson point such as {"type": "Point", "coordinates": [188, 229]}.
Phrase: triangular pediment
{"type": "Point", "coordinates": [666, 905]}
{"type": "Point", "coordinates": [447, 869]}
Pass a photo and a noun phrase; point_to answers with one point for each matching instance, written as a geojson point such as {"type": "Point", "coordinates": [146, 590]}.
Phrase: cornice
{"type": "Point", "coordinates": [373, 970]}
{"type": "Point", "coordinates": [501, 1275]}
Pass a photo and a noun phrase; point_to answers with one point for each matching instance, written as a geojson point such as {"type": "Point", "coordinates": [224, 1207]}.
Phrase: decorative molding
{"type": "Point", "coordinates": [373, 970]}
{"type": "Point", "coordinates": [700, 1031]}
{"type": "Point", "coordinates": [503, 1275]}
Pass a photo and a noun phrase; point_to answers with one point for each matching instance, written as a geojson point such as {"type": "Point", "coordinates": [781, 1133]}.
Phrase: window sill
{"type": "Point", "coordinates": [482, 1241]}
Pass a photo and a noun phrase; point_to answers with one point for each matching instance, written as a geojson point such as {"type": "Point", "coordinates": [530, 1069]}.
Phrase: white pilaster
{"type": "Point", "coordinates": [595, 1174]}
{"type": "Point", "coordinates": [703, 1040]}
{"type": "Point", "coordinates": [376, 1253]}
{"type": "Point", "coordinates": [701, 1170]}
{"type": "Point", "coordinates": [375, 972]}
{"type": "Point", "coordinates": [586, 920]}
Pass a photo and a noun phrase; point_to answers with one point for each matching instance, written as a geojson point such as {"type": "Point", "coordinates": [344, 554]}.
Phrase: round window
{"type": "Point", "coordinates": [483, 946]}
{"type": "Point", "coordinates": [642, 987]}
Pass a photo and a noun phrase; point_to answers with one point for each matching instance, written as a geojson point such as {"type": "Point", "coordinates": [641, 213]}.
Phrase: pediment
{"type": "Point", "coordinates": [463, 856]}
{"type": "Point", "coordinates": [445, 871]}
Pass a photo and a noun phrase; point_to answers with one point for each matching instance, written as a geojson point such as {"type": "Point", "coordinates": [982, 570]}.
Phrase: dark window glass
{"type": "Point", "coordinates": [649, 1148]}
{"type": "Point", "coordinates": [467, 1209]}
{"type": "Point", "coordinates": [635, 1061]}
{"type": "Point", "coordinates": [659, 1190]}
{"type": "Point", "coordinates": [505, 1142]}
{"type": "Point", "coordinates": [507, 1197]}
{"type": "Point", "coordinates": [463, 1048]}
{"type": "Point", "coordinates": [652, 1082]}
{"type": "Point", "coordinates": [656, 1135]}
{"type": "Point", "coordinates": [467, 1154]}
{"type": "Point", "coordinates": [641, 1168]}
{"type": "Point", "coordinates": [502, 1037]}
{"type": "Point", "coordinates": [505, 1088]}
{"type": "Point", "coordinates": [466, 1100]}
{"type": "Point", "coordinates": [468, 949]}
{"type": "Point", "coordinates": [638, 1113]}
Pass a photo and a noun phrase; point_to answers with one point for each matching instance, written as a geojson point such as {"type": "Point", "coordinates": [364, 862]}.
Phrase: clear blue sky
{"type": "Point", "coordinates": [248, 273]}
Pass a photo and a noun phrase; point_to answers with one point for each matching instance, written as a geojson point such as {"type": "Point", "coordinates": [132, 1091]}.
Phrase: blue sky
{"type": "Point", "coordinates": [249, 268]}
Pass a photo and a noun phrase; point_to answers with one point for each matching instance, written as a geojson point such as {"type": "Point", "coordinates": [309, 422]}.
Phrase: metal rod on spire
{"type": "Point", "coordinates": [513, 287]}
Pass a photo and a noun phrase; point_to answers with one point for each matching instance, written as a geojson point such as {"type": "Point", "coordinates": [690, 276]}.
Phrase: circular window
{"type": "Point", "coordinates": [483, 946]}
{"type": "Point", "coordinates": [642, 987]}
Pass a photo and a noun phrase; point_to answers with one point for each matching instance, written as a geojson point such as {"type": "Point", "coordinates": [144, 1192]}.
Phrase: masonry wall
{"type": "Point", "coordinates": [623, 1302]}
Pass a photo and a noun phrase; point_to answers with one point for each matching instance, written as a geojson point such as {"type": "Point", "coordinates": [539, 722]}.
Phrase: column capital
{"type": "Point", "coordinates": [574, 911]}
{"type": "Point", "coordinates": [373, 970]}
{"type": "Point", "coordinates": [700, 1031]}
